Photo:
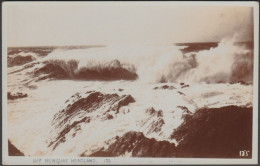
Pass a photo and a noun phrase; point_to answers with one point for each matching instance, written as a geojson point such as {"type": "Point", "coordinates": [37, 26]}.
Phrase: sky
{"type": "Point", "coordinates": [87, 23]}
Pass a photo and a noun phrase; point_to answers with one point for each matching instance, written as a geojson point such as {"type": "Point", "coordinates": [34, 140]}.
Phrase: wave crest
{"type": "Point", "coordinates": [226, 63]}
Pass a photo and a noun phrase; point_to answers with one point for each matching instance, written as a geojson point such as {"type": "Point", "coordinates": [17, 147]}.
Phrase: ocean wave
{"type": "Point", "coordinates": [113, 70]}
{"type": "Point", "coordinates": [226, 63]}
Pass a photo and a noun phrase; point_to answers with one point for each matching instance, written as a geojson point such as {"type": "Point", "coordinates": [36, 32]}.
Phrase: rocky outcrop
{"type": "Point", "coordinates": [215, 133]}
{"type": "Point", "coordinates": [209, 133]}
{"type": "Point", "coordinates": [137, 145]}
{"type": "Point", "coordinates": [18, 95]}
{"type": "Point", "coordinates": [13, 151]}
{"type": "Point", "coordinates": [153, 121]}
{"type": "Point", "coordinates": [86, 107]}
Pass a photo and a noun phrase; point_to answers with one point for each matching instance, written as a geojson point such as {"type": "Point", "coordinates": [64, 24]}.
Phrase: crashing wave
{"type": "Point", "coordinates": [59, 69]}
{"type": "Point", "coordinates": [226, 63]}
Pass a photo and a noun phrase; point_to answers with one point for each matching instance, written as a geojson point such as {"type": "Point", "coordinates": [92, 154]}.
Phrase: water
{"type": "Point", "coordinates": [211, 77]}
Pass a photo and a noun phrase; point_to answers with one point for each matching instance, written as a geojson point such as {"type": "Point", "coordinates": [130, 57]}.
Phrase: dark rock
{"type": "Point", "coordinates": [81, 108]}
{"type": "Point", "coordinates": [156, 126]}
{"type": "Point", "coordinates": [109, 116]}
{"type": "Point", "coordinates": [209, 133]}
{"type": "Point", "coordinates": [181, 93]}
{"type": "Point", "coordinates": [185, 109]}
{"type": "Point", "coordinates": [215, 133]}
{"type": "Point", "coordinates": [18, 95]}
{"type": "Point", "coordinates": [139, 146]}
{"type": "Point", "coordinates": [185, 86]}
{"type": "Point", "coordinates": [165, 87]}
{"type": "Point", "coordinates": [61, 136]}
{"type": "Point", "coordinates": [159, 113]}
{"type": "Point", "coordinates": [126, 99]}
{"type": "Point", "coordinates": [243, 83]}
{"type": "Point", "coordinates": [13, 151]}
{"type": "Point", "coordinates": [150, 110]}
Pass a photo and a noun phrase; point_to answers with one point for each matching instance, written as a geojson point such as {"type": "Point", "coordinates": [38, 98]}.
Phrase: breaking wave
{"type": "Point", "coordinates": [226, 63]}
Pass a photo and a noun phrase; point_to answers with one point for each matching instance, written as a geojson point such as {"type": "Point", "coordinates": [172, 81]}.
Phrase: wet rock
{"type": "Point", "coordinates": [109, 116]}
{"type": "Point", "coordinates": [181, 93]}
{"type": "Point", "coordinates": [155, 126]}
{"type": "Point", "coordinates": [150, 110]}
{"type": "Point", "coordinates": [215, 132]}
{"type": "Point", "coordinates": [208, 133]}
{"type": "Point", "coordinates": [185, 86]}
{"type": "Point", "coordinates": [153, 122]}
{"type": "Point", "coordinates": [165, 87]}
{"type": "Point", "coordinates": [243, 83]}
{"type": "Point", "coordinates": [13, 151]}
{"type": "Point", "coordinates": [18, 95]}
{"type": "Point", "coordinates": [159, 113]}
{"type": "Point", "coordinates": [138, 145]}
{"type": "Point", "coordinates": [81, 107]}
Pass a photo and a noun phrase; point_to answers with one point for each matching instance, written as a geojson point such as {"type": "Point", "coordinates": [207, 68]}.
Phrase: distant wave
{"type": "Point", "coordinates": [226, 63]}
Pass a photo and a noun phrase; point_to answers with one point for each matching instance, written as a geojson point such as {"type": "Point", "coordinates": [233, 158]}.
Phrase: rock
{"type": "Point", "coordinates": [150, 110]}
{"type": "Point", "coordinates": [215, 132]}
{"type": "Point", "coordinates": [181, 93]}
{"type": "Point", "coordinates": [165, 87]}
{"type": "Point", "coordinates": [18, 95]}
{"type": "Point", "coordinates": [243, 83]}
{"type": "Point", "coordinates": [208, 133]}
{"type": "Point", "coordinates": [13, 151]}
{"type": "Point", "coordinates": [159, 113]}
{"type": "Point", "coordinates": [138, 145]}
{"type": "Point", "coordinates": [109, 116]}
{"type": "Point", "coordinates": [185, 86]}
{"type": "Point", "coordinates": [81, 107]}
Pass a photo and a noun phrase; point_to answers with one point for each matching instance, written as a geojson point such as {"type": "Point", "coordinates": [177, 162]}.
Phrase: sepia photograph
{"type": "Point", "coordinates": [130, 83]}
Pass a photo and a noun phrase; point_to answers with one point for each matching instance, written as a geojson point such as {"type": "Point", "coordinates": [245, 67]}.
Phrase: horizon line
{"type": "Point", "coordinates": [104, 45]}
